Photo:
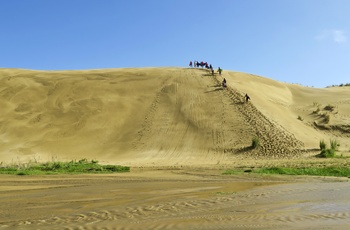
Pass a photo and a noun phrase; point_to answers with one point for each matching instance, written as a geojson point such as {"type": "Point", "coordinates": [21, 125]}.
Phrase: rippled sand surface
{"type": "Point", "coordinates": [173, 199]}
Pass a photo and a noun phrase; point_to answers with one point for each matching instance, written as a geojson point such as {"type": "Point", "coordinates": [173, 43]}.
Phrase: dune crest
{"type": "Point", "coordinates": [163, 116]}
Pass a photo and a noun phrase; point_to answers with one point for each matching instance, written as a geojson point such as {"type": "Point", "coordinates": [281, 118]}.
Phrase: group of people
{"type": "Point", "coordinates": [197, 64]}
{"type": "Point", "coordinates": [202, 64]}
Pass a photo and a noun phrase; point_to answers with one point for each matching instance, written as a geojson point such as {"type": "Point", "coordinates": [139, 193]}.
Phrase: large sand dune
{"type": "Point", "coordinates": [183, 129]}
{"type": "Point", "coordinates": [163, 116]}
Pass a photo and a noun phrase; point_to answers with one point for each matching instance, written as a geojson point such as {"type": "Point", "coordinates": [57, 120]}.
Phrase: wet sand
{"type": "Point", "coordinates": [187, 198]}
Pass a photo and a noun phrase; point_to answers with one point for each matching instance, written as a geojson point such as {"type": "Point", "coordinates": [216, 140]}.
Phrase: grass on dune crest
{"type": "Point", "coordinates": [58, 167]}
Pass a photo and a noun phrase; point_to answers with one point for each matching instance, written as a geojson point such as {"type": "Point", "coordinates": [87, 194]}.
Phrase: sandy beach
{"type": "Point", "coordinates": [178, 130]}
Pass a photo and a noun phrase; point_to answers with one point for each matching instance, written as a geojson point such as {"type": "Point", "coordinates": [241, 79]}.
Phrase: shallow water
{"type": "Point", "coordinates": [172, 200]}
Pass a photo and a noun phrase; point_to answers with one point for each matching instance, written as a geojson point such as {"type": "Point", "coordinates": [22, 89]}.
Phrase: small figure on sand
{"type": "Point", "coordinates": [190, 64]}
{"type": "Point", "coordinates": [247, 98]}
{"type": "Point", "coordinates": [219, 70]}
{"type": "Point", "coordinates": [224, 83]}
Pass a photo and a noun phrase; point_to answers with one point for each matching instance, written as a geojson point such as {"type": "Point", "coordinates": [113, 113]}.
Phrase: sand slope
{"type": "Point", "coordinates": [162, 116]}
{"type": "Point", "coordinates": [186, 129]}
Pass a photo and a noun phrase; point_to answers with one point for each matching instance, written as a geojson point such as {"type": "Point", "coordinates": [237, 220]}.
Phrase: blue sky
{"type": "Point", "coordinates": [294, 41]}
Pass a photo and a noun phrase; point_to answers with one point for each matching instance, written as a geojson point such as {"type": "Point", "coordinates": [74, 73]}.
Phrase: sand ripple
{"type": "Point", "coordinates": [288, 206]}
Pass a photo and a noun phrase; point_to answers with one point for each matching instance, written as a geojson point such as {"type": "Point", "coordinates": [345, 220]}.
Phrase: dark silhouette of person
{"type": "Point", "coordinates": [219, 70]}
{"type": "Point", "coordinates": [224, 83]}
{"type": "Point", "coordinates": [247, 98]}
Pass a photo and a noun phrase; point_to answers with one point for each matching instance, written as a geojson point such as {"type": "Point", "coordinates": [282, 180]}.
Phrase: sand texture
{"type": "Point", "coordinates": [179, 130]}
{"type": "Point", "coordinates": [162, 116]}
{"type": "Point", "coordinates": [173, 199]}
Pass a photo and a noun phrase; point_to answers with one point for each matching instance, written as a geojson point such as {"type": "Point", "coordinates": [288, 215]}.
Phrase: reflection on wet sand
{"type": "Point", "coordinates": [172, 199]}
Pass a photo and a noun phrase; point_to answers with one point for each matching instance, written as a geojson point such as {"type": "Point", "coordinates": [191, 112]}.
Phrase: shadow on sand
{"type": "Point", "coordinates": [209, 75]}
{"type": "Point", "coordinates": [217, 87]}
{"type": "Point", "coordinates": [245, 149]}
{"type": "Point", "coordinates": [214, 90]}
{"type": "Point", "coordinates": [239, 103]}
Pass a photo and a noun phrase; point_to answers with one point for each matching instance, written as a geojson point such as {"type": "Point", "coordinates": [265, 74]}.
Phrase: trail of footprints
{"type": "Point", "coordinates": [148, 120]}
{"type": "Point", "coordinates": [275, 140]}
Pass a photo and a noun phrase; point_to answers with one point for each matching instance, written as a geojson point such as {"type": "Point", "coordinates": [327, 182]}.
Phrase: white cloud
{"type": "Point", "coordinates": [337, 36]}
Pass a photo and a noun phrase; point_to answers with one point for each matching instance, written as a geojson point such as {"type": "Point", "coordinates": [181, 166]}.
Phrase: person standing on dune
{"type": "Point", "coordinates": [224, 83]}
{"type": "Point", "coordinates": [219, 70]}
{"type": "Point", "coordinates": [247, 98]}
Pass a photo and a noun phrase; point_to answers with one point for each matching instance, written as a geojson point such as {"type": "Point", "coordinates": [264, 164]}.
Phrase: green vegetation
{"type": "Point", "coordinates": [334, 144]}
{"type": "Point", "coordinates": [326, 171]}
{"type": "Point", "coordinates": [337, 171]}
{"type": "Point", "coordinates": [341, 85]}
{"type": "Point", "coordinates": [328, 152]}
{"type": "Point", "coordinates": [323, 145]}
{"type": "Point", "coordinates": [57, 167]}
{"type": "Point", "coordinates": [255, 142]}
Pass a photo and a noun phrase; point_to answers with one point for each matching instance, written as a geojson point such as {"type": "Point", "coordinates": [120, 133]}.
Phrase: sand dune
{"type": "Point", "coordinates": [162, 116]}
{"type": "Point", "coordinates": [179, 130]}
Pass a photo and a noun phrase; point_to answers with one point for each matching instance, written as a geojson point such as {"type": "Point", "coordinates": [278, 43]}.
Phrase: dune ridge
{"type": "Point", "coordinates": [163, 116]}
